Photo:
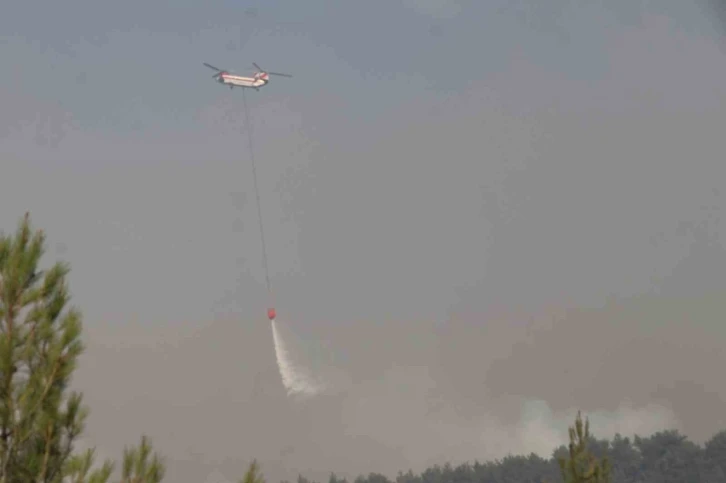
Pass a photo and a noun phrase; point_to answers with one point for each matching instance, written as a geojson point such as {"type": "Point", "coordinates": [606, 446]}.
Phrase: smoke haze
{"type": "Point", "coordinates": [465, 251]}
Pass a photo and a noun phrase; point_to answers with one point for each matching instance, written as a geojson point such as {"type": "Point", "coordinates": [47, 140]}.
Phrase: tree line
{"type": "Point", "coordinates": [664, 457]}
{"type": "Point", "coordinates": [41, 419]}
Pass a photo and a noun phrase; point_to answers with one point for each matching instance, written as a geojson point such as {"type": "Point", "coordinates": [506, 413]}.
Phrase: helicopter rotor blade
{"type": "Point", "coordinates": [212, 67]}
{"type": "Point", "coordinates": [257, 67]}
{"type": "Point", "coordinates": [280, 74]}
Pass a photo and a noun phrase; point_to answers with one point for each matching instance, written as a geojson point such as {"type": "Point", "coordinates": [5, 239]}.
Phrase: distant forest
{"type": "Point", "coordinates": [664, 457]}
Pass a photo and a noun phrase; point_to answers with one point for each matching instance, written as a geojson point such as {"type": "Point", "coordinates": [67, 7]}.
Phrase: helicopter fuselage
{"type": "Point", "coordinates": [240, 81]}
{"type": "Point", "coordinates": [259, 79]}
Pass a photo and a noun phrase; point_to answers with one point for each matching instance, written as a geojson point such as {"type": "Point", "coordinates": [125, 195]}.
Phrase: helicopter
{"type": "Point", "coordinates": [259, 79]}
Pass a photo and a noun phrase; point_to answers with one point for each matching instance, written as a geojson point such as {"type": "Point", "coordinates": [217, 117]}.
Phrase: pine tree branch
{"type": "Point", "coordinates": [21, 440]}
{"type": "Point", "coordinates": [46, 453]}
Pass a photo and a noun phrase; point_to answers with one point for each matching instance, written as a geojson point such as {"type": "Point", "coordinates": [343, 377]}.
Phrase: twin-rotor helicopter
{"type": "Point", "coordinates": [259, 78]}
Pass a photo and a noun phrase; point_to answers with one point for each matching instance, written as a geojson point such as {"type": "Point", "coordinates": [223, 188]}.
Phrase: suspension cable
{"type": "Point", "coordinates": [257, 195]}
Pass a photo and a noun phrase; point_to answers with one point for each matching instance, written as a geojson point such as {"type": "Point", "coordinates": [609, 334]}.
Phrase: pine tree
{"type": "Point", "coordinates": [40, 342]}
{"type": "Point", "coordinates": [253, 474]}
{"type": "Point", "coordinates": [583, 466]}
{"type": "Point", "coordinates": [137, 466]}
{"type": "Point", "coordinates": [39, 347]}
{"type": "Point", "coordinates": [79, 469]}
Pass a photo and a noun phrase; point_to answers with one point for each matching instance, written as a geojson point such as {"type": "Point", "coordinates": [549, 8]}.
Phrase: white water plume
{"type": "Point", "coordinates": [295, 379]}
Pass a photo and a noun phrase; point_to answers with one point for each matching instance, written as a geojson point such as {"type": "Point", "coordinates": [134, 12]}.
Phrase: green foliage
{"type": "Point", "coordinates": [79, 469]}
{"type": "Point", "coordinates": [40, 342]}
{"type": "Point", "coordinates": [39, 348]}
{"type": "Point", "coordinates": [715, 456]}
{"type": "Point", "coordinates": [253, 474]}
{"type": "Point", "coordinates": [665, 456]}
{"type": "Point", "coordinates": [138, 468]}
{"type": "Point", "coordinates": [582, 465]}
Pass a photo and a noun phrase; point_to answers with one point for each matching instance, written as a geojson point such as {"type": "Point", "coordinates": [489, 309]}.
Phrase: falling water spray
{"type": "Point", "coordinates": [295, 379]}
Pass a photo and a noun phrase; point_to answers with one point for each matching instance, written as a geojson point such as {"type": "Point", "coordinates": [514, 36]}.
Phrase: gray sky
{"type": "Point", "coordinates": [480, 217]}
